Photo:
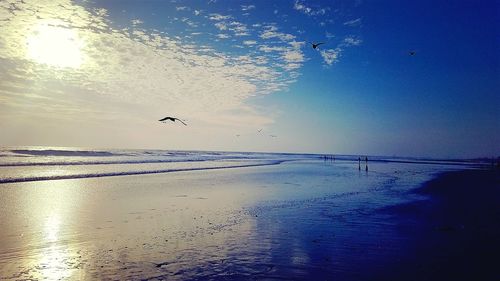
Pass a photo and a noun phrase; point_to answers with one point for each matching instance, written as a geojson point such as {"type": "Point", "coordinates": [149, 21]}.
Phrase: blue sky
{"type": "Point", "coordinates": [100, 73]}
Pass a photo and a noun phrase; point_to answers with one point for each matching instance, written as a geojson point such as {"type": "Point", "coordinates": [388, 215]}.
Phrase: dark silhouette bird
{"type": "Point", "coordinates": [259, 130]}
{"type": "Point", "coordinates": [315, 45]}
{"type": "Point", "coordinates": [412, 53]}
{"type": "Point", "coordinates": [171, 119]}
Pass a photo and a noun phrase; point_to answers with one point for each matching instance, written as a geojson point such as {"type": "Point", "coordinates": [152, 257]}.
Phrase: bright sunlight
{"type": "Point", "coordinates": [55, 45]}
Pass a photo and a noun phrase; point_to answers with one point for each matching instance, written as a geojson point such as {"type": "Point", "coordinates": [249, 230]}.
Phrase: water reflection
{"type": "Point", "coordinates": [53, 261]}
{"type": "Point", "coordinates": [52, 228]}
{"type": "Point", "coordinates": [196, 225]}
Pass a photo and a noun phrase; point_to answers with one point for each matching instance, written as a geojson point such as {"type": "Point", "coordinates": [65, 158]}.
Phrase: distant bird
{"type": "Point", "coordinates": [412, 53]}
{"type": "Point", "coordinates": [171, 119]}
{"type": "Point", "coordinates": [315, 45]}
{"type": "Point", "coordinates": [259, 130]}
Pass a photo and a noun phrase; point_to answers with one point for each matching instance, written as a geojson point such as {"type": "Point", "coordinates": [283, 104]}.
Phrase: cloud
{"type": "Point", "coordinates": [219, 17]}
{"type": "Point", "coordinates": [221, 25]}
{"type": "Point", "coordinates": [238, 28]}
{"type": "Point", "coordinates": [268, 49]}
{"type": "Point", "coordinates": [330, 56]}
{"type": "Point", "coordinates": [353, 23]}
{"type": "Point", "coordinates": [294, 58]}
{"type": "Point", "coordinates": [249, 42]}
{"type": "Point", "coordinates": [247, 7]}
{"type": "Point", "coordinates": [352, 41]}
{"type": "Point", "coordinates": [136, 22]}
{"type": "Point", "coordinates": [301, 7]}
{"type": "Point", "coordinates": [134, 69]}
{"type": "Point", "coordinates": [271, 31]}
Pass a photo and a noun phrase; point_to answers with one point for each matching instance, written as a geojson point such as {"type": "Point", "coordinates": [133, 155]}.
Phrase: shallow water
{"type": "Point", "coordinates": [295, 220]}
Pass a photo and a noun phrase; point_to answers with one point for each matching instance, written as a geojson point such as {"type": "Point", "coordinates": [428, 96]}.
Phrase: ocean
{"type": "Point", "coordinates": [100, 214]}
{"type": "Point", "coordinates": [21, 164]}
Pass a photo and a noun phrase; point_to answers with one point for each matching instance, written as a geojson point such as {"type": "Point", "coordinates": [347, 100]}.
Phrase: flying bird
{"type": "Point", "coordinates": [315, 45]}
{"type": "Point", "coordinates": [168, 118]}
{"type": "Point", "coordinates": [412, 53]}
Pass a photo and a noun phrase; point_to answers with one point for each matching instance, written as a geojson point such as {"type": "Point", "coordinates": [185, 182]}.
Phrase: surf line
{"type": "Point", "coordinates": [131, 173]}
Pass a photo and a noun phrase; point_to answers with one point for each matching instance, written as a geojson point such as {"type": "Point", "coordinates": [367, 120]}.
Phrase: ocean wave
{"type": "Point", "coordinates": [130, 173]}
{"type": "Point", "coordinates": [54, 152]}
{"type": "Point", "coordinates": [117, 162]}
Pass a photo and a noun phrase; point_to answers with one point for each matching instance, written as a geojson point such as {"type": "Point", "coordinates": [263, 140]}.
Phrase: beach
{"type": "Point", "coordinates": [455, 231]}
{"type": "Point", "coordinates": [305, 219]}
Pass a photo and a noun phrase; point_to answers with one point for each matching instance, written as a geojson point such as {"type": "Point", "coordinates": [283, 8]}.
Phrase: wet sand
{"type": "Point", "coordinates": [294, 221]}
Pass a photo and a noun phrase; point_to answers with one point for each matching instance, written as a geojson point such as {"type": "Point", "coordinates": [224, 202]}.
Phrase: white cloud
{"type": "Point", "coordinates": [352, 41]}
{"type": "Point", "coordinates": [238, 28]}
{"type": "Point", "coordinates": [271, 31]}
{"type": "Point", "coordinates": [219, 17]}
{"type": "Point", "coordinates": [353, 23]}
{"type": "Point", "coordinates": [133, 70]}
{"type": "Point", "coordinates": [136, 22]}
{"type": "Point", "coordinates": [301, 7]}
{"type": "Point", "coordinates": [249, 42]}
{"type": "Point", "coordinates": [221, 25]}
{"type": "Point", "coordinates": [247, 7]}
{"type": "Point", "coordinates": [268, 49]}
{"type": "Point", "coordinates": [330, 56]}
{"type": "Point", "coordinates": [293, 56]}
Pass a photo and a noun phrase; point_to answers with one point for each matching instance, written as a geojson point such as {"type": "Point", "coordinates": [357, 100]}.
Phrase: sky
{"type": "Point", "coordinates": [244, 76]}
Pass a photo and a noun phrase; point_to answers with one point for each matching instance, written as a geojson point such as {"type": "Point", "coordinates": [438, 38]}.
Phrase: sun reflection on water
{"type": "Point", "coordinates": [52, 228]}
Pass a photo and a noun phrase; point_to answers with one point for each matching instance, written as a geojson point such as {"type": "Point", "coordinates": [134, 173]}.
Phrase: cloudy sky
{"type": "Point", "coordinates": [101, 73]}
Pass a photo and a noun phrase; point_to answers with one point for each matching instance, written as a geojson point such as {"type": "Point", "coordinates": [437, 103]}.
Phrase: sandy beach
{"type": "Point", "coordinates": [298, 220]}
{"type": "Point", "coordinates": [455, 230]}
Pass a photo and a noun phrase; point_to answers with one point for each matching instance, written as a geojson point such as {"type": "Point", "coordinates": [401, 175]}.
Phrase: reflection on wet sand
{"type": "Point", "coordinates": [284, 220]}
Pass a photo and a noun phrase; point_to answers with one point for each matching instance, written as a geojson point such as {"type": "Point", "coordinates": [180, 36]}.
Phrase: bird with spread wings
{"type": "Point", "coordinates": [173, 119]}
{"type": "Point", "coordinates": [315, 45]}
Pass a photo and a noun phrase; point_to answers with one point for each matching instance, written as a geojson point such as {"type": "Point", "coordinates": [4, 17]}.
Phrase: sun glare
{"type": "Point", "coordinates": [54, 45]}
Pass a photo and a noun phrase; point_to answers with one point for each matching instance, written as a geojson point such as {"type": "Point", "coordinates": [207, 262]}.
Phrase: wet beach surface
{"type": "Point", "coordinates": [293, 221]}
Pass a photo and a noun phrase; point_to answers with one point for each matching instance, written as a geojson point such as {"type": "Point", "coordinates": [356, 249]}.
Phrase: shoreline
{"type": "Point", "coordinates": [298, 220]}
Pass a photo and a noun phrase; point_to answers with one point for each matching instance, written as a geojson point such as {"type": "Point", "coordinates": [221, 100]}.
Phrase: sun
{"type": "Point", "coordinates": [53, 44]}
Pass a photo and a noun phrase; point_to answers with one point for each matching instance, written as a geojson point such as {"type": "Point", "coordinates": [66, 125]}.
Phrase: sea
{"type": "Point", "coordinates": [208, 215]}
{"type": "Point", "coordinates": [24, 164]}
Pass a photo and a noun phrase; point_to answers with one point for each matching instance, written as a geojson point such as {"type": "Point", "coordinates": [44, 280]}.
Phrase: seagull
{"type": "Point", "coordinates": [259, 130]}
{"type": "Point", "coordinates": [412, 53]}
{"type": "Point", "coordinates": [315, 45]}
{"type": "Point", "coordinates": [171, 119]}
